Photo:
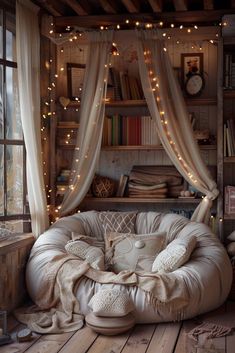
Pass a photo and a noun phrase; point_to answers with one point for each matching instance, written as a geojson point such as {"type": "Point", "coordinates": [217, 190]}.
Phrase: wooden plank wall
{"type": "Point", "coordinates": [13, 258]}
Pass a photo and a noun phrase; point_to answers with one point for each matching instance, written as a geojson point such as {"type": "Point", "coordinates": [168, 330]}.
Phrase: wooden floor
{"type": "Point", "coordinates": [161, 338]}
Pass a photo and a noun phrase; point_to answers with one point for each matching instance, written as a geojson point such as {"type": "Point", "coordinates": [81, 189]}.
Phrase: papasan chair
{"type": "Point", "coordinates": [199, 285]}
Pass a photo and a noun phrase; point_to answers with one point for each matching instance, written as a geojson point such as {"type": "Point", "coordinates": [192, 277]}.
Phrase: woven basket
{"type": "Point", "coordinates": [102, 186]}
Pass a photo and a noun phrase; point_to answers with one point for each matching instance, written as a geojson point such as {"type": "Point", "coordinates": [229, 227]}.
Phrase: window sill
{"type": "Point", "coordinates": [19, 241]}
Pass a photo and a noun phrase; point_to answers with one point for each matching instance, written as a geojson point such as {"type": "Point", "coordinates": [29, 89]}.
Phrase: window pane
{"type": "Point", "coordinates": [12, 226]}
{"type": "Point", "coordinates": [1, 103]}
{"type": "Point", "coordinates": [10, 37]}
{"type": "Point", "coordinates": [14, 160]}
{"type": "Point", "coordinates": [13, 122]}
{"type": "Point", "coordinates": [1, 181]}
{"type": "Point", "coordinates": [1, 37]}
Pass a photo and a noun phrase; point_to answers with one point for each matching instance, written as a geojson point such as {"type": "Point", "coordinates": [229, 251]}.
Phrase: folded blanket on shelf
{"type": "Point", "coordinates": [155, 175]}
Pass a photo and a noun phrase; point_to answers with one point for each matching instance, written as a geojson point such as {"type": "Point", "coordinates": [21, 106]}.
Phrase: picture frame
{"type": "Point", "coordinates": [75, 77]}
{"type": "Point", "coordinates": [191, 63]}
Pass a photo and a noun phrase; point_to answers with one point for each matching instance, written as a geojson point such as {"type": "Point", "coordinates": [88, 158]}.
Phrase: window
{"type": "Point", "coordinates": [14, 213]}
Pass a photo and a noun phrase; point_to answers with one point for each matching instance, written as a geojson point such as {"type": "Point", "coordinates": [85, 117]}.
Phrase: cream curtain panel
{"type": "Point", "coordinates": [167, 107]}
{"type": "Point", "coordinates": [28, 63]}
{"type": "Point", "coordinates": [90, 130]}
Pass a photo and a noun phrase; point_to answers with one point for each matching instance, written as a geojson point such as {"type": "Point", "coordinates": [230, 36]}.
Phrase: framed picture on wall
{"type": "Point", "coordinates": [75, 76]}
{"type": "Point", "coordinates": [191, 63]}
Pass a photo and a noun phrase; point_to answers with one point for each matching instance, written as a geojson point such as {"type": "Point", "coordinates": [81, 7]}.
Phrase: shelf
{"type": "Point", "coordinates": [229, 94]}
{"type": "Point", "coordinates": [140, 200]}
{"type": "Point", "coordinates": [229, 159]}
{"type": "Point", "coordinates": [229, 217]}
{"type": "Point", "coordinates": [68, 126]}
{"type": "Point", "coordinates": [148, 147]}
{"type": "Point", "coordinates": [142, 102]}
{"type": "Point", "coordinates": [137, 147]}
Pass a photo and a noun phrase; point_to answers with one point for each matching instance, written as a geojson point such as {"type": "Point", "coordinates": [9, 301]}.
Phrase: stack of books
{"type": "Point", "coordinates": [229, 71]}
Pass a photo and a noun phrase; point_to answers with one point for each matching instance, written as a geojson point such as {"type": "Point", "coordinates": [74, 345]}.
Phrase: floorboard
{"type": "Point", "coordinates": [148, 338]}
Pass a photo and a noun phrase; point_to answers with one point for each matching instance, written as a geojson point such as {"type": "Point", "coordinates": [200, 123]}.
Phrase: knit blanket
{"type": "Point", "coordinates": [57, 309]}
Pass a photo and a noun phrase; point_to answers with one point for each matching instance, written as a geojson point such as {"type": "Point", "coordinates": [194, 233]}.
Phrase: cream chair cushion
{"type": "Point", "coordinates": [133, 251]}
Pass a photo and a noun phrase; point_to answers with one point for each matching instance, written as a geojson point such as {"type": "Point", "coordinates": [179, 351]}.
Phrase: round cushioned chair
{"type": "Point", "coordinates": [206, 278]}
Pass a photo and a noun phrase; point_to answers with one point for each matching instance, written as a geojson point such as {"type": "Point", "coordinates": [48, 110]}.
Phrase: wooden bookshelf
{"type": "Point", "coordinates": [229, 217]}
{"type": "Point", "coordinates": [142, 103]}
{"type": "Point", "coordinates": [137, 147]}
{"type": "Point", "coordinates": [64, 125]}
{"type": "Point", "coordinates": [229, 159]}
{"type": "Point", "coordinates": [229, 94]}
{"type": "Point", "coordinates": [126, 200]}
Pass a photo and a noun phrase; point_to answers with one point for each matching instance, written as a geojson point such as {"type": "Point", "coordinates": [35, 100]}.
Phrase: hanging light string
{"type": "Point", "coordinates": [73, 34]}
{"type": "Point", "coordinates": [165, 123]}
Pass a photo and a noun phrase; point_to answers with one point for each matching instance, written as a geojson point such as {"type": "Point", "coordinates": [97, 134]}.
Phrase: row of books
{"type": "Point", "coordinates": [229, 71]}
{"type": "Point", "coordinates": [125, 86]}
{"type": "Point", "coordinates": [229, 200]}
{"type": "Point", "coordinates": [229, 138]}
{"type": "Point", "coordinates": [124, 130]}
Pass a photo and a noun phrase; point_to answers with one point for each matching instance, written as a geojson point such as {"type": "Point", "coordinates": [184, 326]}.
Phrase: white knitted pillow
{"type": "Point", "coordinates": [175, 254]}
{"type": "Point", "coordinates": [84, 251]}
{"type": "Point", "coordinates": [111, 303]}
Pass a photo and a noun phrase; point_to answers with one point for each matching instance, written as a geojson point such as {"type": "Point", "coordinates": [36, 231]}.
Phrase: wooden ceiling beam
{"type": "Point", "coordinates": [49, 7]}
{"type": "Point", "coordinates": [180, 5]}
{"type": "Point", "coordinates": [131, 5]}
{"type": "Point", "coordinates": [179, 17]}
{"type": "Point", "coordinates": [156, 5]}
{"type": "Point", "coordinates": [109, 6]}
{"type": "Point", "coordinates": [76, 7]}
{"type": "Point", "coordinates": [208, 4]}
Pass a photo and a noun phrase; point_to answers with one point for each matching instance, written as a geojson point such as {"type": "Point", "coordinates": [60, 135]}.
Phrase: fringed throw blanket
{"type": "Point", "coordinates": [58, 309]}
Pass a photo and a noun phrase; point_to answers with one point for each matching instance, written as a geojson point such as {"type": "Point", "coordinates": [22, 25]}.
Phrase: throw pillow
{"type": "Point", "coordinates": [175, 254]}
{"type": "Point", "coordinates": [132, 251]}
{"type": "Point", "coordinates": [111, 302]}
{"type": "Point", "coordinates": [86, 252]}
{"type": "Point", "coordinates": [122, 222]}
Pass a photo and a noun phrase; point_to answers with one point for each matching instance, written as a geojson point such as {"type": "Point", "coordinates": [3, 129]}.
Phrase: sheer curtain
{"type": "Point", "coordinates": [28, 62]}
{"type": "Point", "coordinates": [167, 106]}
{"type": "Point", "coordinates": [87, 150]}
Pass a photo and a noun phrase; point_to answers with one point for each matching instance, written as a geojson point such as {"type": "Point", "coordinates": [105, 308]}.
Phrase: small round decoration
{"type": "Point", "coordinates": [194, 84]}
{"type": "Point", "coordinates": [139, 244]}
{"type": "Point", "coordinates": [102, 186]}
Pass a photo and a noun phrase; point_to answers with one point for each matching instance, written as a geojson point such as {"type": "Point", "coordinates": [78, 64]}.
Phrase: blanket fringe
{"type": "Point", "coordinates": [211, 331]}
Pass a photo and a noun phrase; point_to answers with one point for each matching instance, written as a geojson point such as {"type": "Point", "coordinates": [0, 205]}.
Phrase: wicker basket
{"type": "Point", "coordinates": [102, 186]}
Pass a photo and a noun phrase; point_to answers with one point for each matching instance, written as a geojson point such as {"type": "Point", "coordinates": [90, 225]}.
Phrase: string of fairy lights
{"type": "Point", "coordinates": [73, 35]}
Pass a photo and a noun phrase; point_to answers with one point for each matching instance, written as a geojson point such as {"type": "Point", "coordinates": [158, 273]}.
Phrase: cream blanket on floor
{"type": "Point", "coordinates": [57, 309]}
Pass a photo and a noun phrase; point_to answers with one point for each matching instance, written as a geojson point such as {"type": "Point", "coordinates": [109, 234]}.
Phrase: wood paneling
{"type": "Point", "coordinates": [13, 258]}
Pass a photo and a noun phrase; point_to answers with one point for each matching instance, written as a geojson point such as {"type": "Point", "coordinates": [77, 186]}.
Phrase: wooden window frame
{"type": "Point", "coordinates": [11, 142]}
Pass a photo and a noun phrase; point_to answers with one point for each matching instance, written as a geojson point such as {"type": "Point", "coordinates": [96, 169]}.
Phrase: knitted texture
{"type": "Point", "coordinates": [111, 303]}
{"type": "Point", "coordinates": [175, 255]}
{"type": "Point", "coordinates": [84, 251]}
{"type": "Point", "coordinates": [122, 222]}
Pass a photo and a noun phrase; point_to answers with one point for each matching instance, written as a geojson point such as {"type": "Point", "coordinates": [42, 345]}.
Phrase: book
{"type": "Point", "coordinates": [229, 200]}
{"type": "Point", "coordinates": [122, 185]}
